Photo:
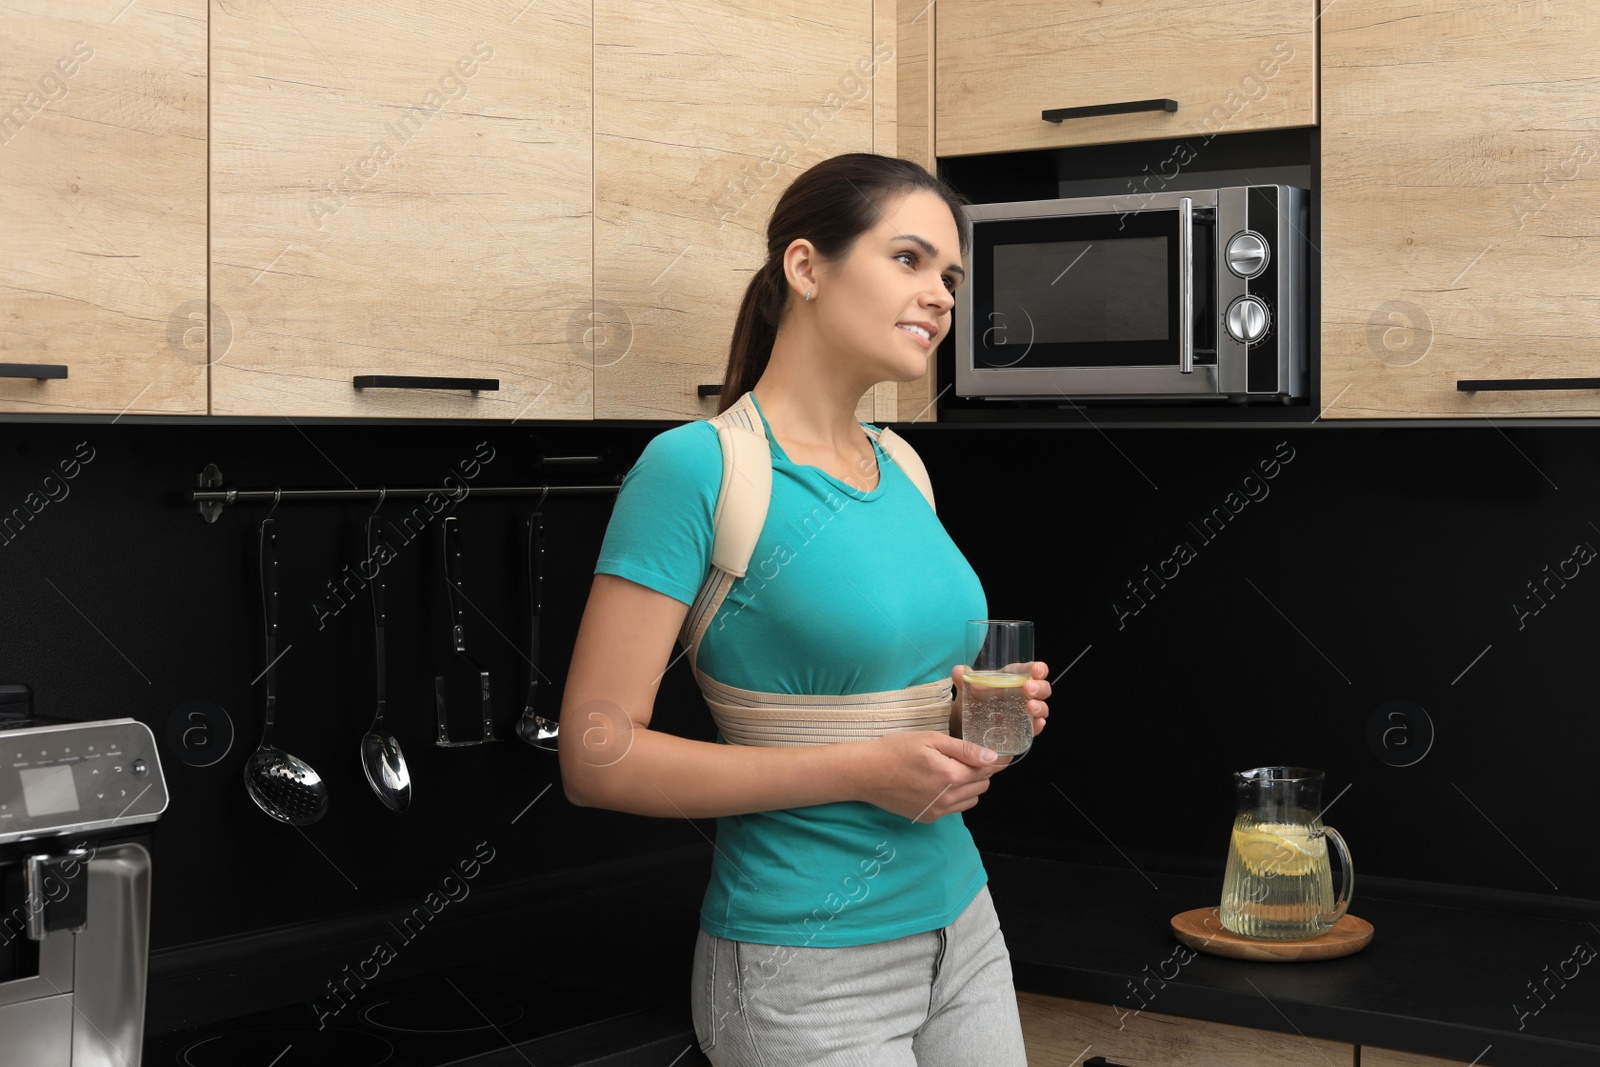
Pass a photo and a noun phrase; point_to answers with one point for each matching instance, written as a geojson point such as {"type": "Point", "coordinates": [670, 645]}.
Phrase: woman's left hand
{"type": "Point", "coordinates": [1038, 691]}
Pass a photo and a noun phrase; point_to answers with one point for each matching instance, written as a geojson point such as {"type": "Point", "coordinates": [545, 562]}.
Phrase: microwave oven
{"type": "Point", "coordinates": [1191, 295]}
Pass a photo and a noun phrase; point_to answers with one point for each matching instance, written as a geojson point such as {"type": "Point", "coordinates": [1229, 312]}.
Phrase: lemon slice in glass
{"type": "Point", "coordinates": [995, 679]}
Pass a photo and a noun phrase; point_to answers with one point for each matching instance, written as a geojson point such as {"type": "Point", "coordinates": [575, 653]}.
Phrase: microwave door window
{"type": "Point", "coordinates": [1078, 292]}
{"type": "Point", "coordinates": [1086, 292]}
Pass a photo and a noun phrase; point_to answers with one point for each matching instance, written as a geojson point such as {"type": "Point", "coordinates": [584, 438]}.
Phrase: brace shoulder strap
{"type": "Point", "coordinates": [742, 502]}
{"type": "Point", "coordinates": [746, 490]}
{"type": "Point", "coordinates": [905, 457]}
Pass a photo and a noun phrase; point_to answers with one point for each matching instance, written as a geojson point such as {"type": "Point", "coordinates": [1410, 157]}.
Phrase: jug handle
{"type": "Point", "coordinates": [1347, 883]}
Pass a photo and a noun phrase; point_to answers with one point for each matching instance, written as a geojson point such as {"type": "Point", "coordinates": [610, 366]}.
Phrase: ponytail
{"type": "Point", "coordinates": [829, 205]}
{"type": "Point", "coordinates": [754, 332]}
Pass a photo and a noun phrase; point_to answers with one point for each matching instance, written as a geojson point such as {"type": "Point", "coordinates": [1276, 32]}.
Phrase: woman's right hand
{"type": "Point", "coordinates": [922, 775]}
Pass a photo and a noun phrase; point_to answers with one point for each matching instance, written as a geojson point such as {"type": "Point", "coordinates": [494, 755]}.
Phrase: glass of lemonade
{"type": "Point", "coordinates": [994, 707]}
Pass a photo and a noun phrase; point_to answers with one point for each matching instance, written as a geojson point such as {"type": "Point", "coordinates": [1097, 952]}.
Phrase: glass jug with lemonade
{"type": "Point", "coordinates": [1278, 884]}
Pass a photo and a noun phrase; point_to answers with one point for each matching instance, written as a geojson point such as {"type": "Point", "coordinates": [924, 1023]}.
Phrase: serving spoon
{"type": "Point", "coordinates": [381, 759]}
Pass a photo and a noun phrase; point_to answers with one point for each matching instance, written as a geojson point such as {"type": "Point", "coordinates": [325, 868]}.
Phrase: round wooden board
{"type": "Point", "coordinates": [1202, 930]}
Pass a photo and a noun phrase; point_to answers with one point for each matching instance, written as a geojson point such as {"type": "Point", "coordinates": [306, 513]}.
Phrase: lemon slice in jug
{"type": "Point", "coordinates": [1269, 849]}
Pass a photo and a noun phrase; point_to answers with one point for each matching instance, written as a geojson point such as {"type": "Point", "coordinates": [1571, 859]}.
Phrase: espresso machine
{"type": "Point", "coordinates": [76, 801]}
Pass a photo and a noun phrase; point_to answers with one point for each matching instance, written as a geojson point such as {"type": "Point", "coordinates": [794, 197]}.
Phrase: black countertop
{"type": "Point", "coordinates": [1440, 979]}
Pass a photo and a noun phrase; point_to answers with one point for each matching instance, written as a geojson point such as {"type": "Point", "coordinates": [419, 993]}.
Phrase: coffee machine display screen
{"type": "Point", "coordinates": [49, 790]}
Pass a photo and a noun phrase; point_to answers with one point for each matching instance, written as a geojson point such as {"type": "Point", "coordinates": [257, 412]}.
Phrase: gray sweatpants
{"type": "Point", "coordinates": [938, 999]}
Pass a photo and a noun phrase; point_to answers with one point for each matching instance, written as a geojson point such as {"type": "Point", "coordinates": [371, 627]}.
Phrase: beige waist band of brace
{"type": "Point", "coordinates": [748, 717]}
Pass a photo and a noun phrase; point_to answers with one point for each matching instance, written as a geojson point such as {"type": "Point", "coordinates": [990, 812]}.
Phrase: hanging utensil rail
{"type": "Point", "coordinates": [213, 496]}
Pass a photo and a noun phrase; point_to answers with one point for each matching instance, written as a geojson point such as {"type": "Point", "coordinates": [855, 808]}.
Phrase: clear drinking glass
{"type": "Point", "coordinates": [994, 707]}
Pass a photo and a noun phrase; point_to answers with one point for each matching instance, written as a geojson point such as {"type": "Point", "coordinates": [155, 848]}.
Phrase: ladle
{"type": "Point", "coordinates": [284, 787]}
{"type": "Point", "coordinates": [381, 758]}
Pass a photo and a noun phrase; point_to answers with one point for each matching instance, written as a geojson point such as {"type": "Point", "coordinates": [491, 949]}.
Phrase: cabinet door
{"type": "Point", "coordinates": [401, 188]}
{"type": "Point", "coordinates": [1382, 1057]}
{"type": "Point", "coordinates": [1230, 66]}
{"type": "Point", "coordinates": [1063, 1033]}
{"type": "Point", "coordinates": [705, 111]}
{"type": "Point", "coordinates": [103, 193]}
{"type": "Point", "coordinates": [1459, 193]}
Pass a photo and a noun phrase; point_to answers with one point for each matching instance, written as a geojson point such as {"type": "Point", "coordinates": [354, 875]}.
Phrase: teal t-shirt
{"type": "Point", "coordinates": [847, 592]}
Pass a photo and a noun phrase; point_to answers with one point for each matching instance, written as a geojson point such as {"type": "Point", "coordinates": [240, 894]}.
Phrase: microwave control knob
{"type": "Point", "coordinates": [1247, 320]}
{"type": "Point", "coordinates": [1248, 254]}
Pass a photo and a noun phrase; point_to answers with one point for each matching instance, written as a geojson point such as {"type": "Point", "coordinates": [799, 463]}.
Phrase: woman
{"type": "Point", "coordinates": [848, 919]}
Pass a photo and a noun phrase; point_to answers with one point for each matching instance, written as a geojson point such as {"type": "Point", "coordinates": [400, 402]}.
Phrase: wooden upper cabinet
{"type": "Point", "coordinates": [1239, 65]}
{"type": "Point", "coordinates": [1064, 1033]}
{"type": "Point", "coordinates": [102, 189]}
{"type": "Point", "coordinates": [1460, 185]}
{"type": "Point", "coordinates": [704, 112]}
{"type": "Point", "coordinates": [909, 135]}
{"type": "Point", "coordinates": [401, 189]}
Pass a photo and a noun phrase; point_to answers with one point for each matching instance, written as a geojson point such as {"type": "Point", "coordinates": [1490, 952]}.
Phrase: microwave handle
{"type": "Point", "coordinates": [1185, 285]}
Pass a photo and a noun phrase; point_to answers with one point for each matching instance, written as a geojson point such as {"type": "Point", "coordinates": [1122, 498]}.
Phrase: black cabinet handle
{"type": "Point", "coordinates": [422, 381]}
{"type": "Point", "coordinates": [1128, 107]}
{"type": "Point", "coordinates": [33, 370]}
{"type": "Point", "coordinates": [1507, 385]}
{"type": "Point", "coordinates": [709, 390]}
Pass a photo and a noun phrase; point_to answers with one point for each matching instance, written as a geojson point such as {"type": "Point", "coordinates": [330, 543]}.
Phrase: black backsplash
{"type": "Point", "coordinates": [1374, 565]}
{"type": "Point", "coordinates": [120, 600]}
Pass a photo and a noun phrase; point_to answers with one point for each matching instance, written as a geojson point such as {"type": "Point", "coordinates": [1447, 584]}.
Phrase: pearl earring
{"type": "Point", "coordinates": [808, 295]}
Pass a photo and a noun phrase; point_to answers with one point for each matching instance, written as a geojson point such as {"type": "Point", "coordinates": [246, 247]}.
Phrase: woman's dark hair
{"type": "Point", "coordinates": [829, 205]}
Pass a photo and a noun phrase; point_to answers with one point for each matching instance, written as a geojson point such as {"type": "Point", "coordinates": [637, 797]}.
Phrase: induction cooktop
{"type": "Point", "coordinates": [443, 1018]}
